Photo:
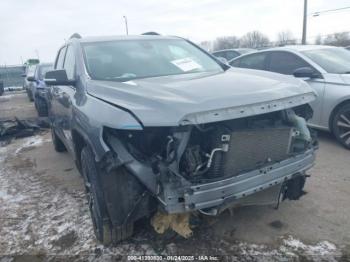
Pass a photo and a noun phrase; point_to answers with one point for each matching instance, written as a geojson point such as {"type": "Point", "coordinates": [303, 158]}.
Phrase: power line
{"type": "Point", "coordinates": [329, 10]}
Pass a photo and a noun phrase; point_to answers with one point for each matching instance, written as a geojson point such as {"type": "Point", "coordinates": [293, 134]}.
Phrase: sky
{"type": "Point", "coordinates": [31, 28]}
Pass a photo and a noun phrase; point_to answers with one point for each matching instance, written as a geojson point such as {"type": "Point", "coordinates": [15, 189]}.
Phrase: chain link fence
{"type": "Point", "coordinates": [12, 75]}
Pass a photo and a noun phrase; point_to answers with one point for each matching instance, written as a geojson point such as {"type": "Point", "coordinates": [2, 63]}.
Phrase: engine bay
{"type": "Point", "coordinates": [222, 149]}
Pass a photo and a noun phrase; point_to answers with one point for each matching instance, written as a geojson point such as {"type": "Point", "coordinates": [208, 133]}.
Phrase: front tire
{"type": "Point", "coordinates": [106, 232]}
{"type": "Point", "coordinates": [341, 125]}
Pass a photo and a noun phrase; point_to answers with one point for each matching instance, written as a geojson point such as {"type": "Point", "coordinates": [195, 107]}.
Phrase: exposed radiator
{"type": "Point", "coordinates": [251, 149]}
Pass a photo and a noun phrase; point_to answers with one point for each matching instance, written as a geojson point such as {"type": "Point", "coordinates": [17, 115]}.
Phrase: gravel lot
{"type": "Point", "coordinates": [44, 216]}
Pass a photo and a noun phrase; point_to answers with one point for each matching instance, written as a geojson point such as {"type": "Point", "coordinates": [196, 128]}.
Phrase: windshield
{"type": "Point", "coordinates": [131, 59]}
{"type": "Point", "coordinates": [333, 60]}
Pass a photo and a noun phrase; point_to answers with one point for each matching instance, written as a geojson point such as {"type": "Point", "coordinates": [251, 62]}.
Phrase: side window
{"type": "Point", "coordinates": [255, 61]}
{"type": "Point", "coordinates": [285, 63]}
{"type": "Point", "coordinates": [219, 54]}
{"type": "Point", "coordinates": [60, 58]}
{"type": "Point", "coordinates": [230, 55]}
{"type": "Point", "coordinates": [69, 63]}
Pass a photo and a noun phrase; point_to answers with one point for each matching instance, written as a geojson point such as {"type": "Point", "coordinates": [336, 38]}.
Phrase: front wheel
{"type": "Point", "coordinates": [106, 232]}
{"type": "Point", "coordinates": [341, 125]}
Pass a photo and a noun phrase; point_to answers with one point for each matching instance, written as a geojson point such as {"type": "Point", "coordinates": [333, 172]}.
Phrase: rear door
{"type": "Point", "coordinates": [285, 62]}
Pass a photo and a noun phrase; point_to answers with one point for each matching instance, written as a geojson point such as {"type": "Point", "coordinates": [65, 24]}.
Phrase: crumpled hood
{"type": "Point", "coordinates": [203, 97]}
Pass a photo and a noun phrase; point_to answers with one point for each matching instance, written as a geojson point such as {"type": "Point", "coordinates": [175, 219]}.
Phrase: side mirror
{"type": "Point", "coordinates": [58, 77]}
{"type": "Point", "coordinates": [31, 78]}
{"type": "Point", "coordinates": [306, 72]}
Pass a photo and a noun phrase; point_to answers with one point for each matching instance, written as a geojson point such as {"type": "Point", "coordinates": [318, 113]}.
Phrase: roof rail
{"type": "Point", "coordinates": [75, 35]}
{"type": "Point", "coordinates": [150, 33]}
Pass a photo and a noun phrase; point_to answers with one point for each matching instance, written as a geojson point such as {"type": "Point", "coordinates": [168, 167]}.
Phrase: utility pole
{"type": "Point", "coordinates": [303, 40]}
{"type": "Point", "coordinates": [126, 24]}
{"type": "Point", "coordinates": [37, 53]}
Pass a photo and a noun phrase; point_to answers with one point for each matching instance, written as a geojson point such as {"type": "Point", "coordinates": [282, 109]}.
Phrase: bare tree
{"type": "Point", "coordinates": [254, 39]}
{"type": "Point", "coordinates": [226, 42]}
{"type": "Point", "coordinates": [206, 45]}
{"type": "Point", "coordinates": [338, 39]}
{"type": "Point", "coordinates": [285, 38]}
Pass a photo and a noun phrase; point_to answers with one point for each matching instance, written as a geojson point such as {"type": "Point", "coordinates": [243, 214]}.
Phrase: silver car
{"type": "Point", "coordinates": [325, 68]}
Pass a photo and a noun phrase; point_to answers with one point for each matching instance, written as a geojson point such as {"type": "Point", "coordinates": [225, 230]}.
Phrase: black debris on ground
{"type": "Point", "coordinates": [16, 128]}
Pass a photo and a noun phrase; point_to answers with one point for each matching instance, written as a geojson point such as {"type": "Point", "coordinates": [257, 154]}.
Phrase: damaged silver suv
{"type": "Point", "coordinates": [157, 125]}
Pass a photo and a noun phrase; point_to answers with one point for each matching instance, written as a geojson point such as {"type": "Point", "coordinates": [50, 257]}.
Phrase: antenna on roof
{"type": "Point", "coordinates": [75, 35]}
{"type": "Point", "coordinates": [150, 33]}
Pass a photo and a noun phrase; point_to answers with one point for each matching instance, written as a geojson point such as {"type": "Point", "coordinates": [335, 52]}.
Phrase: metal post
{"type": "Point", "coordinates": [126, 24]}
{"type": "Point", "coordinates": [37, 53]}
{"type": "Point", "coordinates": [303, 40]}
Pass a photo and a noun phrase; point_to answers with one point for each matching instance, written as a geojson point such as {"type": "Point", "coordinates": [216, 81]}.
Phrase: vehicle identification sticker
{"type": "Point", "coordinates": [186, 64]}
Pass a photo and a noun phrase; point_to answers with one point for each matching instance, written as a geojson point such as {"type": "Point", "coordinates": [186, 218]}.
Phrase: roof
{"type": "Point", "coordinates": [234, 49]}
{"type": "Point", "coordinates": [300, 47]}
{"type": "Point", "coordinates": [91, 39]}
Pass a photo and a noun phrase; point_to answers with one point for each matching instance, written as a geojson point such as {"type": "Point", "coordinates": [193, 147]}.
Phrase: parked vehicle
{"type": "Point", "coordinates": [32, 61]}
{"type": "Point", "coordinates": [27, 85]}
{"type": "Point", "coordinates": [230, 54]}
{"type": "Point", "coordinates": [156, 123]}
{"type": "Point", "coordinates": [38, 88]}
{"type": "Point", "coordinates": [1, 87]}
{"type": "Point", "coordinates": [325, 68]}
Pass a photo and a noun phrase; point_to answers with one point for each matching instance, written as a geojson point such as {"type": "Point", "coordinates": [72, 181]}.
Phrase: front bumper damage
{"type": "Point", "coordinates": [178, 195]}
{"type": "Point", "coordinates": [225, 192]}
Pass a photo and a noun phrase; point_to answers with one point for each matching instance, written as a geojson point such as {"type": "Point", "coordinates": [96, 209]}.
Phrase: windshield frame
{"type": "Point", "coordinates": [88, 72]}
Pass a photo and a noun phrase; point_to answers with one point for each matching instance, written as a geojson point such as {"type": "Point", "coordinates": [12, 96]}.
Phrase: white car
{"type": "Point", "coordinates": [325, 68]}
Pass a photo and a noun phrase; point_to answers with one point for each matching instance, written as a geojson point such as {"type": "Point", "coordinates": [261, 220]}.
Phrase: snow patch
{"type": "Point", "coordinates": [290, 248]}
{"type": "Point", "coordinates": [320, 249]}
{"type": "Point", "coordinates": [31, 142]}
{"type": "Point", "coordinates": [39, 216]}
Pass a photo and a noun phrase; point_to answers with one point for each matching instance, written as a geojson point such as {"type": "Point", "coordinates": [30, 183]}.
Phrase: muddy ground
{"type": "Point", "coordinates": [44, 216]}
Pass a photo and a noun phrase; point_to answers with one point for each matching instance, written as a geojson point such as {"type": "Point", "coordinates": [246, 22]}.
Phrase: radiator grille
{"type": "Point", "coordinates": [251, 149]}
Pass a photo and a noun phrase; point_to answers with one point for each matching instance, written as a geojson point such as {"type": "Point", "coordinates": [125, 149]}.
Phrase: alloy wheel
{"type": "Point", "coordinates": [342, 126]}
